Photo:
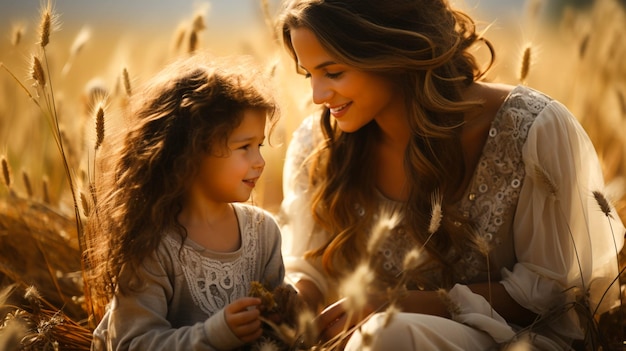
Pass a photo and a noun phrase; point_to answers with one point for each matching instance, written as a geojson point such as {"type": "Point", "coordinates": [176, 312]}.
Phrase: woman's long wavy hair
{"type": "Point", "coordinates": [185, 112]}
{"type": "Point", "coordinates": [423, 46]}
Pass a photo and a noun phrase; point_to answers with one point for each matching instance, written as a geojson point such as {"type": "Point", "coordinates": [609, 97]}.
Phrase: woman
{"type": "Point", "coordinates": [490, 188]}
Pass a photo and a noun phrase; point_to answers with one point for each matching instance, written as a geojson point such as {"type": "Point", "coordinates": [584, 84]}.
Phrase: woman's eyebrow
{"type": "Point", "coordinates": [321, 65]}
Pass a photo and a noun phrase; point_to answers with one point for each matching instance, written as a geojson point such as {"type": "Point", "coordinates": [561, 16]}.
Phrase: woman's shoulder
{"type": "Point", "coordinates": [499, 97]}
{"type": "Point", "coordinates": [528, 98]}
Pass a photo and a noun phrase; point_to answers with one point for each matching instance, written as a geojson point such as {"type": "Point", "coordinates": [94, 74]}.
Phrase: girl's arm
{"type": "Point", "coordinates": [139, 320]}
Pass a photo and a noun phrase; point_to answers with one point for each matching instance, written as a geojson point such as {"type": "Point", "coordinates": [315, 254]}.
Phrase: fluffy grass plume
{"type": "Point", "coordinates": [99, 119]}
{"type": "Point", "coordinates": [525, 63]}
{"type": "Point", "coordinates": [6, 172]}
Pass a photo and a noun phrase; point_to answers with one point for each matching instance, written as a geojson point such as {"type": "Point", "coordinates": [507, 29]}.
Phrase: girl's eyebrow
{"type": "Point", "coordinates": [245, 139]}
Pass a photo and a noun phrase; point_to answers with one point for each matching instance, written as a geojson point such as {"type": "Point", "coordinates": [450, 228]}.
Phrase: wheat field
{"type": "Point", "coordinates": [61, 91]}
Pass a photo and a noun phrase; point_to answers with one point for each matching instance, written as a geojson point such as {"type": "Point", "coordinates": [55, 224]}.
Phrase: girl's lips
{"type": "Point", "coordinates": [340, 110]}
{"type": "Point", "coordinates": [251, 182]}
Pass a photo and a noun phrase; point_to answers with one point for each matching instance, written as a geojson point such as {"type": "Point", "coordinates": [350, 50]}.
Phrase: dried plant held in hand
{"type": "Point", "coordinates": [280, 311]}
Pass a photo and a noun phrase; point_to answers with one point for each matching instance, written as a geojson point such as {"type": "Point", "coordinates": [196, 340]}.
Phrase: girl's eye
{"type": "Point", "coordinates": [333, 75]}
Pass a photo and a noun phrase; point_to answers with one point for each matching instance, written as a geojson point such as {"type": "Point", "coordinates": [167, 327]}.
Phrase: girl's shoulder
{"type": "Point", "coordinates": [252, 214]}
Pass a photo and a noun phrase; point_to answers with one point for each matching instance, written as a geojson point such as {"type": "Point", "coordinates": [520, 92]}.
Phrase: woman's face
{"type": "Point", "coordinates": [353, 97]}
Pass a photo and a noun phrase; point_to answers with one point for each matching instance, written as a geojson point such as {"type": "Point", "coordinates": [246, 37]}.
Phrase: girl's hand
{"type": "Point", "coordinates": [242, 317]}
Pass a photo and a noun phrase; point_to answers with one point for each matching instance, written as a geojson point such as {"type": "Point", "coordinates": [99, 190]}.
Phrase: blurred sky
{"type": "Point", "coordinates": [151, 14]}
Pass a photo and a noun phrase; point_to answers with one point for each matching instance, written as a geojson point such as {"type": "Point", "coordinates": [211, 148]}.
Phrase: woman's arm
{"type": "Point", "coordinates": [310, 294]}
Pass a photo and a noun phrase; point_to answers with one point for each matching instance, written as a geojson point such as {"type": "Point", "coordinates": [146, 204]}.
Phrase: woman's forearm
{"type": "Point", "coordinates": [430, 302]}
{"type": "Point", "coordinates": [503, 303]}
{"type": "Point", "coordinates": [310, 294]}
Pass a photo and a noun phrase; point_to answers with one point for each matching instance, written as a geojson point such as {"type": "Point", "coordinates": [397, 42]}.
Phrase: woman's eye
{"type": "Point", "coordinates": [327, 75]}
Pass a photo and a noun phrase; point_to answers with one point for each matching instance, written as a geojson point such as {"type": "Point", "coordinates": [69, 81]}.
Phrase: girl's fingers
{"type": "Point", "coordinates": [252, 336]}
{"type": "Point", "coordinates": [241, 304]}
{"type": "Point", "coordinates": [247, 329]}
{"type": "Point", "coordinates": [242, 317]}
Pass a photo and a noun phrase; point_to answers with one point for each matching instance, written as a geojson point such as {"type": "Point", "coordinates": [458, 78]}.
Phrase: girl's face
{"type": "Point", "coordinates": [353, 97]}
{"type": "Point", "coordinates": [231, 174]}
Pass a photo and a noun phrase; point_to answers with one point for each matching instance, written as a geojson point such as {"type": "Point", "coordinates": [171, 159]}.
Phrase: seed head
{"type": "Point", "coordinates": [603, 203]}
{"type": "Point", "coordinates": [193, 42]}
{"type": "Point", "coordinates": [483, 245]}
{"type": "Point", "coordinates": [99, 127]}
{"type": "Point", "coordinates": [79, 42]}
{"type": "Point", "coordinates": [352, 287]}
{"type": "Point", "coordinates": [85, 203]}
{"type": "Point", "coordinates": [391, 312]}
{"type": "Point", "coordinates": [547, 180]}
{"type": "Point", "coordinates": [45, 24]}
{"type": "Point", "coordinates": [411, 260]}
{"type": "Point", "coordinates": [388, 219]}
{"type": "Point", "coordinates": [18, 33]}
{"type": "Point", "coordinates": [6, 172]}
{"type": "Point", "coordinates": [37, 72]}
{"type": "Point", "coordinates": [33, 296]}
{"type": "Point", "coordinates": [127, 85]}
{"type": "Point", "coordinates": [27, 184]}
{"type": "Point", "coordinates": [436, 213]}
{"type": "Point", "coordinates": [525, 66]}
{"type": "Point", "coordinates": [198, 23]}
{"type": "Point", "coordinates": [451, 306]}
{"type": "Point", "coordinates": [45, 191]}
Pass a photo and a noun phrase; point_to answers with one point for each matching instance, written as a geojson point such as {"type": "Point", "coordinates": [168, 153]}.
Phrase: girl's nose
{"type": "Point", "coordinates": [321, 91]}
{"type": "Point", "coordinates": [259, 161]}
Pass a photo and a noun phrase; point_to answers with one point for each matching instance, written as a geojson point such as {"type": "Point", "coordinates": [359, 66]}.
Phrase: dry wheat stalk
{"type": "Point", "coordinates": [45, 190]}
{"type": "Point", "coordinates": [99, 126]}
{"type": "Point", "coordinates": [126, 80]}
{"type": "Point", "coordinates": [27, 184]}
{"type": "Point", "coordinates": [37, 72]}
{"type": "Point", "coordinates": [6, 172]}
{"type": "Point", "coordinates": [525, 63]}
{"type": "Point", "coordinates": [45, 24]}
{"type": "Point", "coordinates": [193, 42]}
{"type": "Point", "coordinates": [18, 33]}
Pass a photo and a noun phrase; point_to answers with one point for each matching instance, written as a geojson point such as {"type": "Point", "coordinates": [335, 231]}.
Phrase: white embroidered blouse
{"type": "Point", "coordinates": [544, 240]}
{"type": "Point", "coordinates": [182, 305]}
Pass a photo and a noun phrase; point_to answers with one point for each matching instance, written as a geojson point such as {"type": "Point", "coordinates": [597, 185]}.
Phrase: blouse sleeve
{"type": "Point", "coordinates": [565, 244]}
{"type": "Point", "coordinates": [273, 267]}
{"type": "Point", "coordinates": [295, 218]}
{"type": "Point", "coordinates": [138, 321]}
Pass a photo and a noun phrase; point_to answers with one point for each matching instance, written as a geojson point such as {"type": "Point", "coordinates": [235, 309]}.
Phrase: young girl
{"type": "Point", "coordinates": [181, 249]}
{"type": "Point", "coordinates": [499, 233]}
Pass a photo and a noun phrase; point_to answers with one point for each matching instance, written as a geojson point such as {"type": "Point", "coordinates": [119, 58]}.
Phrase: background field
{"type": "Point", "coordinates": [575, 54]}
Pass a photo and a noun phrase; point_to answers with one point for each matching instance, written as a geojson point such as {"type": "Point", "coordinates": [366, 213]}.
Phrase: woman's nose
{"type": "Point", "coordinates": [321, 91]}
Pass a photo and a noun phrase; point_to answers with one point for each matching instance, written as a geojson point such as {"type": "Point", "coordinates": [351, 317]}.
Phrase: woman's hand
{"type": "Point", "coordinates": [339, 318]}
{"type": "Point", "coordinates": [242, 317]}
